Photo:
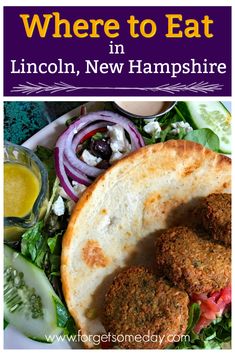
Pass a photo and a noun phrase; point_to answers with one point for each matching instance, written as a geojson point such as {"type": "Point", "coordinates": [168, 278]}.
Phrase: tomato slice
{"type": "Point", "coordinates": [209, 309]}
{"type": "Point", "coordinates": [91, 133]}
{"type": "Point", "coordinates": [226, 295]}
{"type": "Point", "coordinates": [203, 322]}
{"type": "Point", "coordinates": [211, 306]}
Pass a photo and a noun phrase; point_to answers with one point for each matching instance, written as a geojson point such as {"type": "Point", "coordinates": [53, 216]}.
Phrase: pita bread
{"type": "Point", "coordinates": [117, 218]}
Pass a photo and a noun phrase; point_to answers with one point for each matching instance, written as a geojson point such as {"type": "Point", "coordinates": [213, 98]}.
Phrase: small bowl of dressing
{"type": "Point", "coordinates": [144, 109]}
{"type": "Point", "coordinates": [25, 190]}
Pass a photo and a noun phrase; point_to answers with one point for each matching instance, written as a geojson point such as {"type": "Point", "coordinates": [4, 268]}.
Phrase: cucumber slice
{"type": "Point", "coordinates": [29, 299]}
{"type": "Point", "coordinates": [212, 115]}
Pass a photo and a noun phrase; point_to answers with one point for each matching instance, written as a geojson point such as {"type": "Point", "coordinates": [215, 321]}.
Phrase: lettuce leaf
{"type": "Point", "coordinates": [215, 336]}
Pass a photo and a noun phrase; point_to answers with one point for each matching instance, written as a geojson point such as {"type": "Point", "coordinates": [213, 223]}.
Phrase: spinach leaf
{"type": "Point", "coordinates": [44, 252]}
{"type": "Point", "coordinates": [61, 312]}
{"type": "Point", "coordinates": [54, 242]}
{"type": "Point", "coordinates": [47, 157]}
{"type": "Point", "coordinates": [41, 250]}
{"type": "Point", "coordinates": [64, 319]}
{"type": "Point", "coordinates": [205, 137]}
{"type": "Point", "coordinates": [33, 244]}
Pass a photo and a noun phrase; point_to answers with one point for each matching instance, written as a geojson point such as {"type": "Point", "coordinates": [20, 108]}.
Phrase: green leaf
{"type": "Point", "coordinates": [54, 243]}
{"type": "Point", "coordinates": [47, 157]}
{"type": "Point", "coordinates": [205, 137]}
{"type": "Point", "coordinates": [167, 127]}
{"type": "Point", "coordinates": [194, 315]}
{"type": "Point", "coordinates": [34, 245]}
{"type": "Point", "coordinates": [41, 255]}
{"type": "Point", "coordinates": [181, 134]}
{"type": "Point", "coordinates": [5, 324]}
{"type": "Point", "coordinates": [64, 319]}
{"type": "Point", "coordinates": [180, 114]}
{"type": "Point", "coordinates": [98, 136]}
{"type": "Point", "coordinates": [70, 329]}
{"type": "Point", "coordinates": [32, 241]}
{"type": "Point", "coordinates": [62, 314]}
{"type": "Point", "coordinates": [149, 141]}
{"type": "Point", "coordinates": [165, 132]}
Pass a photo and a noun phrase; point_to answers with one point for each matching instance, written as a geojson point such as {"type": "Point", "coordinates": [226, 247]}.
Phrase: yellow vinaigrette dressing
{"type": "Point", "coordinates": [21, 189]}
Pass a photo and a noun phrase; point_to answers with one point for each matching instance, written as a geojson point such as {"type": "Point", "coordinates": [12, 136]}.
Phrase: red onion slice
{"type": "Point", "coordinates": [76, 175]}
{"type": "Point", "coordinates": [135, 137]}
{"type": "Point", "coordinates": [80, 165]}
{"type": "Point", "coordinates": [66, 161]}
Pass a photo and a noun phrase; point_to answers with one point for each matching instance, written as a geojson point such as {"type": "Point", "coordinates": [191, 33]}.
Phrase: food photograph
{"type": "Point", "coordinates": [117, 225]}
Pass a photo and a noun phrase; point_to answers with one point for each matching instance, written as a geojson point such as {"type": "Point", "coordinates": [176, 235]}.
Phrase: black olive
{"type": "Point", "coordinates": [100, 148]}
{"type": "Point", "coordinates": [103, 164]}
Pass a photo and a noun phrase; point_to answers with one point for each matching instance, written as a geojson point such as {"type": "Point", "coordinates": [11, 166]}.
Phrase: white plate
{"type": "Point", "coordinates": [47, 137]}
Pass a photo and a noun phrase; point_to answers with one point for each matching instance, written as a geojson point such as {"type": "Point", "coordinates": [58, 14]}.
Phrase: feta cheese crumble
{"type": "Point", "coordinates": [180, 125]}
{"type": "Point", "coordinates": [58, 207]}
{"type": "Point", "coordinates": [118, 142]}
{"type": "Point", "coordinates": [153, 128]}
{"type": "Point", "coordinates": [115, 157]}
{"type": "Point", "coordinates": [89, 159]}
{"type": "Point", "coordinates": [78, 188]}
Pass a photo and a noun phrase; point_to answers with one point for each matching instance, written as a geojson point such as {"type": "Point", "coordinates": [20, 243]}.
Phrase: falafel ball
{"type": "Point", "coordinates": [216, 217]}
{"type": "Point", "coordinates": [138, 304]}
{"type": "Point", "coordinates": [192, 263]}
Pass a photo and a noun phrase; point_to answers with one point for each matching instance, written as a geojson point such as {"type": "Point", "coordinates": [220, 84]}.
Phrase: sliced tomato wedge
{"type": "Point", "coordinates": [202, 322]}
{"type": "Point", "coordinates": [226, 295]}
{"type": "Point", "coordinates": [208, 314]}
{"type": "Point", "coordinates": [212, 305]}
{"type": "Point", "coordinates": [92, 133]}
